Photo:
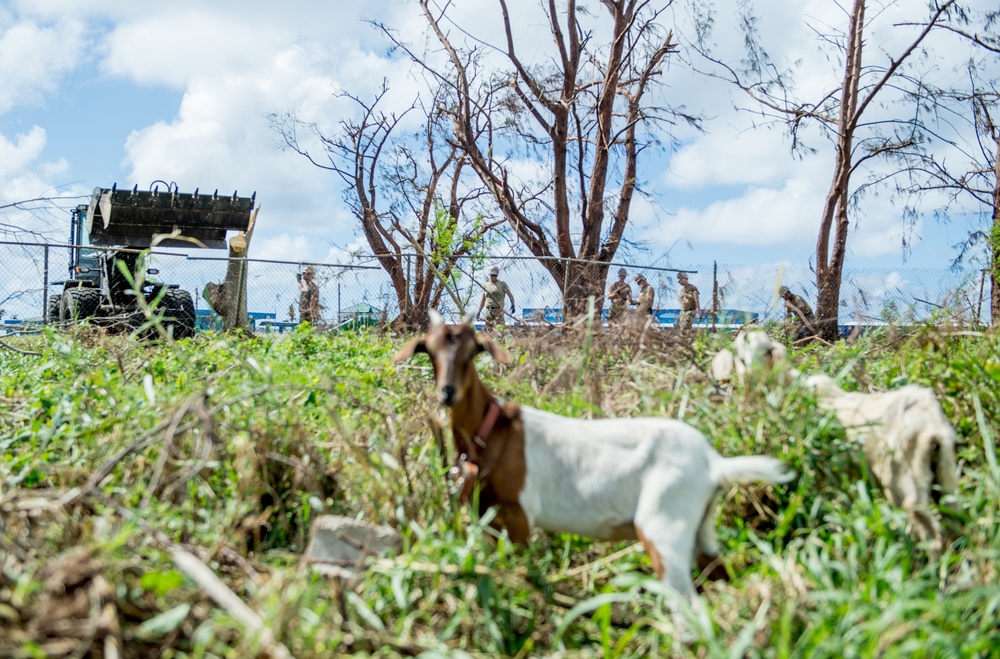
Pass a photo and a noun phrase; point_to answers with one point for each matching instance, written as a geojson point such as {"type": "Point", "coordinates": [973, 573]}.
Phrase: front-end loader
{"type": "Point", "coordinates": [109, 238]}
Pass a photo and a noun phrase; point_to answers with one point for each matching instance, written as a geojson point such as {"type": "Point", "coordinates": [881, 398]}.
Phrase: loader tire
{"type": "Point", "coordinates": [79, 304]}
{"type": "Point", "coordinates": [52, 309]}
{"type": "Point", "coordinates": [178, 313]}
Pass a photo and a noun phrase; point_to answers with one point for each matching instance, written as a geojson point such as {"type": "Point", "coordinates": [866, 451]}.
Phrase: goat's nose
{"type": "Point", "coordinates": [448, 395]}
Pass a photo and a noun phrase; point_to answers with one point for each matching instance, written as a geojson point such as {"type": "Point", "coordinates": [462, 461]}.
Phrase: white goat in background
{"type": "Point", "coordinates": [753, 351]}
{"type": "Point", "coordinates": [908, 443]}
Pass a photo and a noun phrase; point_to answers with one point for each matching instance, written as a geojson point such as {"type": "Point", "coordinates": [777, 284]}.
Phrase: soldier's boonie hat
{"type": "Point", "coordinates": [639, 277]}
{"type": "Point", "coordinates": [783, 290]}
{"type": "Point", "coordinates": [682, 276]}
{"type": "Point", "coordinates": [622, 272]}
{"type": "Point", "coordinates": [494, 270]}
{"type": "Point", "coordinates": [309, 271]}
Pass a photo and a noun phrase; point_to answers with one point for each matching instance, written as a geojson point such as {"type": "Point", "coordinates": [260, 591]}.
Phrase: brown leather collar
{"type": "Point", "coordinates": [489, 421]}
{"type": "Point", "coordinates": [466, 470]}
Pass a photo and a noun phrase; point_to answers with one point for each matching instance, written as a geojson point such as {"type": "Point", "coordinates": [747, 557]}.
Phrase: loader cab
{"type": "Point", "coordinates": [84, 264]}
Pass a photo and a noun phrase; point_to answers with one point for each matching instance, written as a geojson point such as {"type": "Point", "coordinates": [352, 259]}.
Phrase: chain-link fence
{"type": "Point", "coordinates": [731, 295]}
{"type": "Point", "coordinates": [30, 273]}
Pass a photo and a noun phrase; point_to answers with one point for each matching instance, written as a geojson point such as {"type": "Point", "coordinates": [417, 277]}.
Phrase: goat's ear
{"type": "Point", "coordinates": [497, 352]}
{"type": "Point", "coordinates": [437, 320]}
{"type": "Point", "coordinates": [412, 347]}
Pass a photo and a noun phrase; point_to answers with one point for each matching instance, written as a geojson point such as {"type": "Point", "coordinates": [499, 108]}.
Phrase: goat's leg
{"type": "Point", "coordinates": [946, 470]}
{"type": "Point", "coordinates": [914, 492]}
{"type": "Point", "coordinates": [923, 520]}
{"type": "Point", "coordinates": [669, 544]}
{"type": "Point", "coordinates": [928, 529]}
{"type": "Point", "coordinates": [667, 522]}
{"type": "Point", "coordinates": [512, 517]}
{"type": "Point", "coordinates": [706, 554]}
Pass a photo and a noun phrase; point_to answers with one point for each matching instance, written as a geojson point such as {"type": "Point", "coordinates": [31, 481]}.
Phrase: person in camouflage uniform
{"type": "Point", "coordinates": [308, 297]}
{"type": "Point", "coordinates": [493, 294]}
{"type": "Point", "coordinates": [690, 304]}
{"type": "Point", "coordinates": [645, 302]}
{"type": "Point", "coordinates": [798, 311]}
{"type": "Point", "coordinates": [620, 294]}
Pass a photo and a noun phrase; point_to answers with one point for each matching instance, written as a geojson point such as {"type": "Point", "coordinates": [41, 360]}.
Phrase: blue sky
{"type": "Point", "coordinates": [95, 92]}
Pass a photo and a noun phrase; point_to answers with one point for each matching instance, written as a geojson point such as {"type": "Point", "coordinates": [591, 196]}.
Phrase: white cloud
{"type": "Point", "coordinates": [26, 181]}
{"type": "Point", "coordinates": [279, 246]}
{"type": "Point", "coordinates": [736, 186]}
{"type": "Point", "coordinates": [754, 157]}
{"type": "Point", "coordinates": [785, 214]}
{"type": "Point", "coordinates": [185, 45]}
{"type": "Point", "coordinates": [23, 176]}
{"type": "Point", "coordinates": [16, 155]}
{"type": "Point", "coordinates": [760, 216]}
{"type": "Point", "coordinates": [221, 138]}
{"type": "Point", "coordinates": [34, 57]}
{"type": "Point", "coordinates": [345, 255]}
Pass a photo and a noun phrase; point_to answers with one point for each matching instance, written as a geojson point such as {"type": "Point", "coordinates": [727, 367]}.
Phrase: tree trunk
{"type": "Point", "coordinates": [829, 273]}
{"type": "Point", "coordinates": [994, 242]}
{"type": "Point", "coordinates": [994, 250]}
{"type": "Point", "coordinates": [581, 282]}
{"type": "Point", "coordinates": [553, 103]}
{"type": "Point", "coordinates": [233, 291]}
{"type": "Point", "coordinates": [830, 264]}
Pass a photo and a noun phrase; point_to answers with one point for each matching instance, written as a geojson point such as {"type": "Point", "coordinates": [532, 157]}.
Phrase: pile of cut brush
{"type": "Point", "coordinates": [70, 589]}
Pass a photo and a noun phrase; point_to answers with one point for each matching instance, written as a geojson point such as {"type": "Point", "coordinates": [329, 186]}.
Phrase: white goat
{"type": "Point", "coordinates": [651, 479]}
{"type": "Point", "coordinates": [752, 351]}
{"type": "Point", "coordinates": [907, 441]}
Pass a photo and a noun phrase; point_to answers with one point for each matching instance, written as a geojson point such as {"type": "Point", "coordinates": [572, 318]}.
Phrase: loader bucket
{"type": "Point", "coordinates": [132, 218]}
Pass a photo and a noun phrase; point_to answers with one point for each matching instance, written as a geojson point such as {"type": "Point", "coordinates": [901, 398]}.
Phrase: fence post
{"type": "Point", "coordinates": [979, 305]}
{"type": "Point", "coordinates": [406, 298]}
{"type": "Point", "coordinates": [338, 302]}
{"type": "Point", "coordinates": [715, 294]}
{"type": "Point", "coordinates": [45, 286]}
{"type": "Point", "coordinates": [565, 290]}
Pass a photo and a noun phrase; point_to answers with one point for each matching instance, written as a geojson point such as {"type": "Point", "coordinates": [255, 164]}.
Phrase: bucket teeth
{"type": "Point", "coordinates": [132, 217]}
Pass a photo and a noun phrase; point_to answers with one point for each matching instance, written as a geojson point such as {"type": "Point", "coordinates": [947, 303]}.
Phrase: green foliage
{"type": "Point", "coordinates": [448, 239]}
{"type": "Point", "coordinates": [238, 444]}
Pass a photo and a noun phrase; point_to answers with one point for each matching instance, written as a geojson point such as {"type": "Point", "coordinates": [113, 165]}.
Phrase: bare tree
{"type": "Point", "coordinates": [582, 114]}
{"type": "Point", "coordinates": [975, 178]}
{"type": "Point", "coordinates": [847, 115]}
{"type": "Point", "coordinates": [982, 182]}
{"type": "Point", "coordinates": [408, 192]}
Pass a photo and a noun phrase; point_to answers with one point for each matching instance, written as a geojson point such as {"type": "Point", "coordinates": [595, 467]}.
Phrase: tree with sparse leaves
{"type": "Point", "coordinates": [412, 193]}
{"type": "Point", "coordinates": [964, 176]}
{"type": "Point", "coordinates": [876, 118]}
{"type": "Point", "coordinates": [579, 110]}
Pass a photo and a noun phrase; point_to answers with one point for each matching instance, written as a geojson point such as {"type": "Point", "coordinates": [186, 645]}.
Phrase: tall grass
{"type": "Point", "coordinates": [240, 443]}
